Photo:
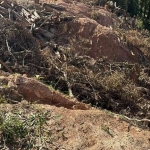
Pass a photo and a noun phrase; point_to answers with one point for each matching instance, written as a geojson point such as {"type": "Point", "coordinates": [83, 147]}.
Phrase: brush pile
{"type": "Point", "coordinates": [25, 30]}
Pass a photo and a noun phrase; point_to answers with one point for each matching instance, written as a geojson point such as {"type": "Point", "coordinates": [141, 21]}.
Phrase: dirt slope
{"type": "Point", "coordinates": [92, 39]}
{"type": "Point", "coordinates": [94, 32]}
{"type": "Point", "coordinates": [95, 130]}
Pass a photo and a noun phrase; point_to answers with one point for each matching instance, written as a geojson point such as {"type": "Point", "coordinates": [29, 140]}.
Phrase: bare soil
{"type": "Point", "coordinates": [95, 130]}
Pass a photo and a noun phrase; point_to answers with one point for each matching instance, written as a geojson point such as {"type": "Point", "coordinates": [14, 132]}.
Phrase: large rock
{"type": "Point", "coordinates": [35, 91]}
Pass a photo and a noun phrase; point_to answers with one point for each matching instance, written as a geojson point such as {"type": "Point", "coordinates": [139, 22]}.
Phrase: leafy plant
{"type": "Point", "coordinates": [106, 129]}
{"type": "Point", "coordinates": [21, 130]}
{"type": "Point", "coordinates": [95, 14]}
{"type": "Point", "coordinates": [12, 129]}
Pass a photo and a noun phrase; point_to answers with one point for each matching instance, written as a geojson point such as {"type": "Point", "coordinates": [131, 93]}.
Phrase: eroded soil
{"type": "Point", "coordinates": [94, 130]}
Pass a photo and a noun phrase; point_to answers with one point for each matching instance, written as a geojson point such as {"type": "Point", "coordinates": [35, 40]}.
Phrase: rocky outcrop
{"type": "Point", "coordinates": [35, 91]}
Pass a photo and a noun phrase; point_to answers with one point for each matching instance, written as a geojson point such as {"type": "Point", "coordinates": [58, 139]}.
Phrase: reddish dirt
{"type": "Point", "coordinates": [90, 38]}
{"type": "Point", "coordinates": [92, 32]}
{"type": "Point", "coordinates": [87, 130]}
{"type": "Point", "coordinates": [34, 91]}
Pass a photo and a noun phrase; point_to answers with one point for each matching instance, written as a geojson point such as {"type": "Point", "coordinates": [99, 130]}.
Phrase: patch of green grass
{"type": "Point", "coordinates": [23, 131]}
{"type": "Point", "coordinates": [15, 74]}
{"type": "Point", "coordinates": [2, 100]}
{"type": "Point", "coordinates": [50, 87]}
{"type": "Point", "coordinates": [105, 128]}
{"type": "Point", "coordinates": [121, 116]}
{"type": "Point", "coordinates": [140, 24]}
{"type": "Point", "coordinates": [5, 86]}
{"type": "Point", "coordinates": [109, 112]}
{"type": "Point", "coordinates": [95, 15]}
{"type": "Point", "coordinates": [12, 129]}
{"type": "Point", "coordinates": [38, 77]}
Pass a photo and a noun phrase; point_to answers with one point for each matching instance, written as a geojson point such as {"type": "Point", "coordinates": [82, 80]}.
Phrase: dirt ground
{"type": "Point", "coordinates": [94, 130]}
{"type": "Point", "coordinates": [93, 33]}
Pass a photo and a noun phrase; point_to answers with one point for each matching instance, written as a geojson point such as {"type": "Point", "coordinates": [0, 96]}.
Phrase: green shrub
{"type": "Point", "coordinates": [139, 24]}
{"type": "Point", "coordinates": [13, 130]}
{"type": "Point", "coordinates": [23, 131]}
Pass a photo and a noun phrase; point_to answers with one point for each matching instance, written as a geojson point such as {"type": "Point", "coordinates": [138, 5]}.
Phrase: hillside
{"type": "Point", "coordinates": [73, 76]}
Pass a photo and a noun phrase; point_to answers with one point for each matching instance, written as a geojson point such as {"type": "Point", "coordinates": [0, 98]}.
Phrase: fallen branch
{"type": "Point", "coordinates": [136, 122]}
{"type": "Point", "coordinates": [1, 62]}
{"type": "Point", "coordinates": [9, 50]}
